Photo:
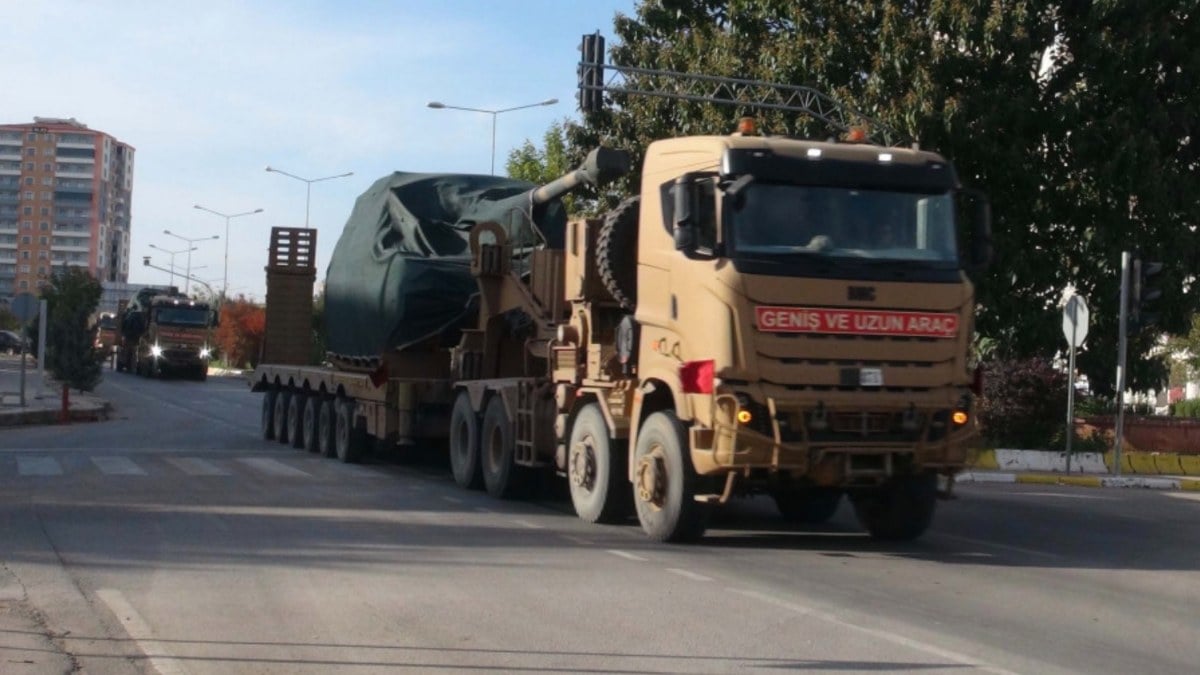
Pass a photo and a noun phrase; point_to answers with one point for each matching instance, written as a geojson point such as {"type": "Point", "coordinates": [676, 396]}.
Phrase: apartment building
{"type": "Point", "coordinates": [65, 195]}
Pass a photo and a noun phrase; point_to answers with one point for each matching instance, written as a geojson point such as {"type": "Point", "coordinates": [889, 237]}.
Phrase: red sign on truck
{"type": "Point", "coordinates": [856, 322]}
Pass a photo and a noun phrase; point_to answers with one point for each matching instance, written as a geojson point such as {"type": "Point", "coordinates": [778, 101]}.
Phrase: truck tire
{"type": "Point", "coordinates": [283, 400]}
{"type": "Point", "coordinates": [327, 428]}
{"type": "Point", "coordinates": [807, 506]}
{"type": "Point", "coordinates": [596, 475]}
{"type": "Point", "coordinates": [900, 509]}
{"type": "Point", "coordinates": [616, 252]}
{"type": "Point", "coordinates": [349, 438]}
{"type": "Point", "coordinates": [665, 482]}
{"type": "Point", "coordinates": [497, 452]}
{"type": "Point", "coordinates": [201, 373]}
{"type": "Point", "coordinates": [295, 421]}
{"type": "Point", "coordinates": [310, 427]}
{"type": "Point", "coordinates": [267, 423]}
{"type": "Point", "coordinates": [464, 443]}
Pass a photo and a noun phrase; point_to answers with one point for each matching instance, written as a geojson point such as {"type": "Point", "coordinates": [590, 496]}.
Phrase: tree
{"type": "Point", "coordinates": [8, 320]}
{"type": "Point", "coordinates": [240, 335]}
{"type": "Point", "coordinates": [71, 298]}
{"type": "Point", "coordinates": [1077, 119]}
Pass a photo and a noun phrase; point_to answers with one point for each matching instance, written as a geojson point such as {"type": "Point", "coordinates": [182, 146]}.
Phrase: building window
{"type": "Point", "coordinates": [47, 167]}
{"type": "Point", "coordinates": [45, 226]}
{"type": "Point", "coordinates": [45, 210]}
{"type": "Point", "coordinates": [26, 240]}
{"type": "Point", "coordinates": [29, 180]}
{"type": "Point", "coordinates": [31, 136]}
{"type": "Point", "coordinates": [47, 180]}
{"type": "Point", "coordinates": [48, 152]}
{"type": "Point", "coordinates": [25, 256]}
{"type": "Point", "coordinates": [43, 255]}
{"type": "Point", "coordinates": [28, 211]}
{"type": "Point", "coordinates": [27, 225]}
{"type": "Point", "coordinates": [31, 151]}
{"type": "Point", "coordinates": [44, 241]}
{"type": "Point", "coordinates": [47, 196]}
{"type": "Point", "coordinates": [29, 194]}
{"type": "Point", "coordinates": [29, 166]}
{"type": "Point", "coordinates": [24, 285]}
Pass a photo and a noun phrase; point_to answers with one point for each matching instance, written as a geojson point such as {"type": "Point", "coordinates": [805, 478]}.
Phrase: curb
{"type": "Point", "coordinates": [1047, 461]}
{"type": "Point", "coordinates": [90, 411]}
{"type": "Point", "coordinates": [1143, 482]}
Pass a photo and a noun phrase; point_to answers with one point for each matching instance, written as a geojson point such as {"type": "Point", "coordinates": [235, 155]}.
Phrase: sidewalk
{"type": "Point", "coordinates": [43, 409]}
{"type": "Point", "coordinates": [1146, 470]}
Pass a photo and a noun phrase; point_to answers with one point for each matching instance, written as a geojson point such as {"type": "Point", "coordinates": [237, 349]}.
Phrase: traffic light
{"type": "Point", "coordinates": [591, 74]}
{"type": "Point", "coordinates": [1143, 293]}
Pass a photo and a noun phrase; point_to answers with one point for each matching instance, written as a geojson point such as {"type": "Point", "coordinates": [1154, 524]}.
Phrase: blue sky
{"type": "Point", "coordinates": [210, 93]}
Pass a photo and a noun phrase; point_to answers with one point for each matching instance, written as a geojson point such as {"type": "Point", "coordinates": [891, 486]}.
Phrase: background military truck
{"type": "Point", "coordinates": [165, 333]}
{"type": "Point", "coordinates": [769, 315]}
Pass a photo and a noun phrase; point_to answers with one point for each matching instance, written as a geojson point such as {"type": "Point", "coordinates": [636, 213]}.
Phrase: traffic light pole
{"type": "Point", "coordinates": [1121, 348]}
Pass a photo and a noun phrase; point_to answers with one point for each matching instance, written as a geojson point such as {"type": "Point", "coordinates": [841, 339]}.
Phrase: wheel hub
{"type": "Point", "coordinates": [652, 478]}
{"type": "Point", "coordinates": [582, 465]}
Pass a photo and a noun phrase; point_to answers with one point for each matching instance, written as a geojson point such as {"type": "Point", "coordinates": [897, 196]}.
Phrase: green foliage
{"type": "Point", "coordinates": [1188, 408]}
{"type": "Point", "coordinates": [71, 297]}
{"type": "Point", "coordinates": [552, 160]}
{"type": "Point", "coordinates": [1076, 118]}
{"type": "Point", "coordinates": [1093, 406]}
{"type": "Point", "coordinates": [8, 320]}
{"type": "Point", "coordinates": [1024, 403]}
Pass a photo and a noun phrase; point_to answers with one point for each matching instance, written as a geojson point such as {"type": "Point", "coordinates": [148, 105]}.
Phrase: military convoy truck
{"type": "Point", "coordinates": [769, 315]}
{"type": "Point", "coordinates": [164, 332]}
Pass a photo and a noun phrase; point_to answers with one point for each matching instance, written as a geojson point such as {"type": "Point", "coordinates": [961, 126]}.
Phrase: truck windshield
{"type": "Point", "coordinates": [775, 219]}
{"type": "Point", "coordinates": [182, 316]}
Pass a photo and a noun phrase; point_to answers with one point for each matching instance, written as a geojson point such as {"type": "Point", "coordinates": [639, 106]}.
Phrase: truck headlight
{"type": "Point", "coordinates": [155, 351]}
{"type": "Point", "coordinates": [205, 352]}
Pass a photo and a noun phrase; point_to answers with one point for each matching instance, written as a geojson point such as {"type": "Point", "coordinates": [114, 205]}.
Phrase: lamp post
{"type": "Point", "coordinates": [228, 217]}
{"type": "Point", "coordinates": [173, 254]}
{"type": "Point", "coordinates": [437, 105]}
{"type": "Point", "coordinates": [187, 288]}
{"type": "Point", "coordinates": [308, 186]}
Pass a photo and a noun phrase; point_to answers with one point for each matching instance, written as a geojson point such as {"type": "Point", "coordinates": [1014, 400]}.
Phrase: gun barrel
{"type": "Point", "coordinates": [601, 166]}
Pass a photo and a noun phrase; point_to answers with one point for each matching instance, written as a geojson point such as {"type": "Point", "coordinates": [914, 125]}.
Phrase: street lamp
{"type": "Point", "coordinates": [308, 186]}
{"type": "Point", "coordinates": [227, 217]}
{"type": "Point", "coordinates": [187, 287]}
{"type": "Point", "coordinates": [437, 105]}
{"type": "Point", "coordinates": [173, 254]}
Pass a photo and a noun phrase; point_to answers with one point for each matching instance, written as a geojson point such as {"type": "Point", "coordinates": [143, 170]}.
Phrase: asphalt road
{"type": "Point", "coordinates": [171, 539]}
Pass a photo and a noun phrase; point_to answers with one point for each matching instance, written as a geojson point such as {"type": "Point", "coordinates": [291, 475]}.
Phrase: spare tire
{"type": "Point", "coordinates": [616, 253]}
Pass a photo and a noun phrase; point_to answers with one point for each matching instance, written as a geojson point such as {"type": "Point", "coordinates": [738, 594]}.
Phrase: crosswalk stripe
{"type": "Point", "coordinates": [118, 466]}
{"type": "Point", "coordinates": [38, 466]}
{"type": "Point", "coordinates": [194, 466]}
{"type": "Point", "coordinates": [271, 466]}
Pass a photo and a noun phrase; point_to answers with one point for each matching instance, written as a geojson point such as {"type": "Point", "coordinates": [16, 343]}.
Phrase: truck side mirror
{"type": "Point", "coordinates": [684, 231]}
{"type": "Point", "coordinates": [980, 252]}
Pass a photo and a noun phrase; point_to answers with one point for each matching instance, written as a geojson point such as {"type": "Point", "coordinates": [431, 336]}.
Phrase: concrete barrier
{"type": "Point", "coordinates": [1044, 461]}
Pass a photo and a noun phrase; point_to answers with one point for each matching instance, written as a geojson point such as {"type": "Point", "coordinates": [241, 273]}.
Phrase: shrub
{"type": "Point", "coordinates": [1188, 408]}
{"type": "Point", "coordinates": [1024, 403]}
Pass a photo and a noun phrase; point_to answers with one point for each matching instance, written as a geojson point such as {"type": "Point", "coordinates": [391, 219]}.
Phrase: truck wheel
{"type": "Point", "coordinates": [312, 413]}
{"type": "Point", "coordinates": [327, 428]}
{"type": "Point", "coordinates": [665, 482]}
{"type": "Point", "coordinates": [616, 252]}
{"type": "Point", "coordinates": [282, 401]}
{"type": "Point", "coordinates": [596, 473]}
{"type": "Point", "coordinates": [810, 506]}
{"type": "Point", "coordinates": [464, 443]}
{"type": "Point", "coordinates": [296, 419]}
{"type": "Point", "coordinates": [201, 373]}
{"type": "Point", "coordinates": [501, 476]}
{"type": "Point", "coordinates": [268, 414]}
{"type": "Point", "coordinates": [900, 509]}
{"type": "Point", "coordinates": [349, 439]}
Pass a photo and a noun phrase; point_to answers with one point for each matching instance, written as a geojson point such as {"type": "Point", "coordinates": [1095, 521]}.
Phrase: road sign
{"type": "Point", "coordinates": [24, 306]}
{"type": "Point", "coordinates": [1075, 320]}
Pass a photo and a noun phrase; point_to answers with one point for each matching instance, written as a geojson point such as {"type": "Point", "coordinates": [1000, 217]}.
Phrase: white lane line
{"type": "Point", "coordinates": [577, 540]}
{"type": "Point", "coordinates": [118, 466]}
{"type": "Point", "coordinates": [1193, 496]}
{"type": "Point", "coordinates": [688, 575]}
{"type": "Point", "coordinates": [526, 523]}
{"type": "Point", "coordinates": [38, 466]}
{"type": "Point", "coordinates": [452, 500]}
{"type": "Point", "coordinates": [272, 467]}
{"type": "Point", "coordinates": [194, 466]}
{"type": "Point", "coordinates": [1064, 495]}
{"type": "Point", "coordinates": [626, 555]}
{"type": "Point", "coordinates": [139, 631]}
{"type": "Point", "coordinates": [881, 633]}
{"type": "Point", "coordinates": [1001, 547]}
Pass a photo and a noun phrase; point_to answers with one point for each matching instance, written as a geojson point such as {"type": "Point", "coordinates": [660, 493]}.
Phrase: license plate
{"type": "Point", "coordinates": [870, 377]}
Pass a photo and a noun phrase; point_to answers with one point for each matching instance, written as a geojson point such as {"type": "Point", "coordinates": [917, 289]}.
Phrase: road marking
{"type": "Point", "coordinates": [626, 555]}
{"type": "Point", "coordinates": [38, 466]}
{"type": "Point", "coordinates": [139, 631]}
{"type": "Point", "coordinates": [1063, 495]}
{"type": "Point", "coordinates": [118, 466]}
{"type": "Point", "coordinates": [526, 523]}
{"type": "Point", "coordinates": [1184, 495]}
{"type": "Point", "coordinates": [452, 500]}
{"type": "Point", "coordinates": [894, 638]}
{"type": "Point", "coordinates": [194, 466]}
{"type": "Point", "coordinates": [273, 467]}
{"type": "Point", "coordinates": [1002, 547]}
{"type": "Point", "coordinates": [577, 540]}
{"type": "Point", "coordinates": [688, 575]}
